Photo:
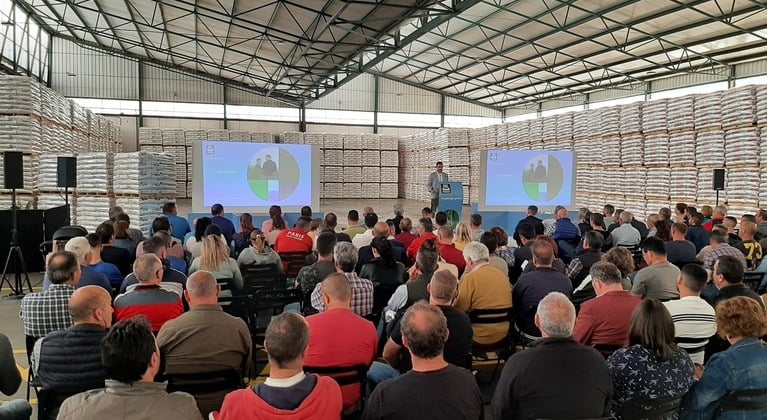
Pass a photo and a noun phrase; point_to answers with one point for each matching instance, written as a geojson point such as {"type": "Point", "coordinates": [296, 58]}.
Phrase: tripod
{"type": "Point", "coordinates": [19, 265]}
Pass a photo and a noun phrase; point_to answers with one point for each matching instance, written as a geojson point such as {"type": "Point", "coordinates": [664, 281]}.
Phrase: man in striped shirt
{"type": "Point", "coordinates": [694, 319]}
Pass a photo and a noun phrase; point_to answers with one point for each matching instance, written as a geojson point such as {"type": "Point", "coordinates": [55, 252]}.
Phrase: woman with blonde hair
{"type": "Point", "coordinates": [462, 236]}
{"type": "Point", "coordinates": [214, 257]}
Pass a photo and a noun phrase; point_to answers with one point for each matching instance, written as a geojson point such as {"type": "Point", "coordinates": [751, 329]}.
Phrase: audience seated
{"type": "Point", "coordinates": [345, 257]}
{"type": "Point", "coordinates": [448, 250]}
{"type": "Point", "coordinates": [622, 259]}
{"type": "Point", "coordinates": [131, 360]}
{"type": "Point", "coordinates": [172, 251]}
{"type": "Point", "coordinates": [433, 388]}
{"type": "Point", "coordinates": [475, 227]}
{"type": "Point", "coordinates": [353, 224]}
{"type": "Point", "coordinates": [535, 285]}
{"type": "Point", "coordinates": [604, 320]}
{"type": "Point", "coordinates": [679, 250]}
{"type": "Point", "coordinates": [694, 319]}
{"type": "Point", "coordinates": [626, 234]}
{"type": "Point", "coordinates": [399, 212]}
{"type": "Point", "coordinates": [158, 302]}
{"type": "Point", "coordinates": [215, 258]}
{"type": "Point", "coordinates": [135, 235]}
{"type": "Point", "coordinates": [590, 254]}
{"type": "Point", "coordinates": [462, 236]}
{"type": "Point", "coordinates": [95, 263]}
{"type": "Point", "coordinates": [380, 230]}
{"type": "Point", "coordinates": [754, 252]}
{"type": "Point", "coordinates": [384, 271]}
{"type": "Point", "coordinates": [205, 339]}
{"type": "Point", "coordinates": [120, 257]}
{"type": "Point", "coordinates": [720, 247]}
{"type": "Point", "coordinates": [10, 381]}
{"type": "Point", "coordinates": [122, 237]}
{"type": "Point", "coordinates": [696, 233]}
{"type": "Point", "coordinates": [598, 225]}
{"type": "Point", "coordinates": [727, 282]}
{"type": "Point", "coordinates": [288, 392]}
{"type": "Point", "coordinates": [426, 264]}
{"type": "Point", "coordinates": [48, 311]}
{"type": "Point", "coordinates": [405, 236]}
{"type": "Point", "coordinates": [331, 221]}
{"type": "Point", "coordinates": [556, 377]}
{"type": "Point", "coordinates": [90, 277]}
{"type": "Point", "coordinates": [294, 240]}
{"type": "Point", "coordinates": [658, 279]}
{"type": "Point", "coordinates": [742, 322]}
{"type": "Point", "coordinates": [311, 275]}
{"type": "Point", "coordinates": [565, 232]}
{"type": "Point", "coordinates": [194, 243]}
{"type": "Point", "coordinates": [179, 225]}
{"type": "Point", "coordinates": [717, 217]}
{"type": "Point", "coordinates": [483, 287]}
{"type": "Point", "coordinates": [241, 238]}
{"type": "Point", "coordinates": [340, 338]}
{"type": "Point", "coordinates": [608, 210]}
{"type": "Point", "coordinates": [652, 366]}
{"type": "Point", "coordinates": [425, 233]}
{"type": "Point", "coordinates": [218, 219]}
{"type": "Point", "coordinates": [364, 238]}
{"type": "Point", "coordinates": [259, 252]}
{"type": "Point", "coordinates": [531, 219]}
{"type": "Point", "coordinates": [155, 245]}
{"type": "Point", "coordinates": [490, 240]}
{"type": "Point", "coordinates": [275, 221]}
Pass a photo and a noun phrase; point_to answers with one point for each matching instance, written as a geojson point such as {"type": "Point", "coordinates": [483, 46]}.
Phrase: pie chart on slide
{"type": "Point", "coordinates": [543, 177]}
{"type": "Point", "coordinates": [273, 174]}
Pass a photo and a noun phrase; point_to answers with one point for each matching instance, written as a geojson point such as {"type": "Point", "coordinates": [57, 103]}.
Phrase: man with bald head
{"type": "Point", "coordinates": [447, 249]}
{"type": "Point", "coordinates": [69, 361]}
{"type": "Point", "coordinates": [47, 311]}
{"type": "Point", "coordinates": [158, 302]}
{"type": "Point", "coordinates": [365, 253]}
{"type": "Point", "coordinates": [339, 337]}
{"type": "Point", "coordinates": [205, 339]}
{"type": "Point", "coordinates": [443, 390]}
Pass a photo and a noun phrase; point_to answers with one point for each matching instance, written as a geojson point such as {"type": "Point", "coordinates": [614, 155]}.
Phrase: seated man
{"type": "Point", "coordinates": [159, 302]}
{"type": "Point", "coordinates": [156, 246]}
{"type": "Point", "coordinates": [696, 233]}
{"type": "Point", "coordinates": [48, 311]}
{"type": "Point", "coordinates": [447, 249]}
{"type": "Point", "coordinates": [443, 391]}
{"type": "Point", "coordinates": [425, 233]}
{"type": "Point", "coordinates": [10, 380]}
{"type": "Point", "coordinates": [720, 247]}
{"type": "Point", "coordinates": [69, 361]}
{"type": "Point", "coordinates": [353, 220]}
{"type": "Point", "coordinates": [406, 236]}
{"type": "Point", "coordinates": [556, 377]}
{"type": "Point", "coordinates": [120, 257]}
{"type": "Point", "coordinates": [535, 285]}
{"type": "Point", "coordinates": [679, 250]}
{"type": "Point", "coordinates": [131, 360]}
{"type": "Point", "coordinates": [490, 240]}
{"type": "Point", "coordinates": [580, 265]}
{"type": "Point", "coordinates": [171, 252]}
{"type": "Point", "coordinates": [524, 254]}
{"type": "Point", "coordinates": [294, 240]}
{"type": "Point", "coordinates": [475, 227]}
{"type": "Point", "coordinates": [339, 337]}
{"type": "Point", "coordinates": [366, 237]}
{"type": "Point", "coordinates": [694, 319]}
{"type": "Point", "coordinates": [483, 287]}
{"type": "Point", "coordinates": [205, 339]}
{"type": "Point", "coordinates": [727, 282]}
{"type": "Point", "coordinates": [82, 249]}
{"type": "Point", "coordinates": [658, 279]}
{"type": "Point", "coordinates": [95, 263]}
{"type": "Point", "coordinates": [345, 256]}
{"type": "Point", "coordinates": [365, 253]}
{"type": "Point", "coordinates": [605, 320]}
{"type": "Point", "coordinates": [626, 234]}
{"type": "Point", "coordinates": [331, 222]}
{"type": "Point", "coordinates": [754, 252]}
{"type": "Point", "coordinates": [288, 391]}
{"type": "Point", "coordinates": [174, 247]}
{"type": "Point", "coordinates": [311, 275]}
{"type": "Point", "coordinates": [416, 288]}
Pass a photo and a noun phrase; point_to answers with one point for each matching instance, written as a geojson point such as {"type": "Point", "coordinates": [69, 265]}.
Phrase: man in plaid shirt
{"type": "Point", "coordinates": [345, 256]}
{"type": "Point", "coordinates": [48, 311]}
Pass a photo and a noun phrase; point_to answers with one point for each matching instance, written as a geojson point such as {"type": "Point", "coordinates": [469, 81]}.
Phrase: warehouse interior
{"type": "Point", "coordinates": [651, 95]}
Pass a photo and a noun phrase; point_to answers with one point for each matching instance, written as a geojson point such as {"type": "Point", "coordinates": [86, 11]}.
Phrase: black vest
{"type": "Point", "coordinates": [70, 360]}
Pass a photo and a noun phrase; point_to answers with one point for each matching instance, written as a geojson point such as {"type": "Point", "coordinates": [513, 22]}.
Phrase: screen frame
{"type": "Point", "coordinates": [482, 203]}
{"type": "Point", "coordinates": [198, 202]}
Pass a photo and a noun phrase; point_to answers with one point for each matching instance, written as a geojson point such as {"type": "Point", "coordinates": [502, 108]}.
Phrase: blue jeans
{"type": "Point", "coordinates": [378, 373]}
{"type": "Point", "coordinates": [15, 410]}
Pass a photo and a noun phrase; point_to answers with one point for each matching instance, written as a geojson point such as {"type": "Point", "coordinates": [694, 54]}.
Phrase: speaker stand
{"type": "Point", "coordinates": [717, 198]}
{"type": "Point", "coordinates": [68, 220]}
{"type": "Point", "coordinates": [15, 254]}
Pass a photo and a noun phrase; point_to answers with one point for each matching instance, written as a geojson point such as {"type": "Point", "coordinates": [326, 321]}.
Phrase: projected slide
{"type": "Point", "coordinates": [515, 179]}
{"type": "Point", "coordinates": [250, 176]}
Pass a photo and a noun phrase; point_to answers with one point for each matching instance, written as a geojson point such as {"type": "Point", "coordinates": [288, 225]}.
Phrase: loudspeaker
{"type": "Point", "coordinates": [14, 170]}
{"type": "Point", "coordinates": [66, 172]}
{"type": "Point", "coordinates": [718, 183]}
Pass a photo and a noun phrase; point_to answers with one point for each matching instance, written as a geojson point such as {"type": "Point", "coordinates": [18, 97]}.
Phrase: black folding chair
{"type": "Point", "coordinates": [650, 408]}
{"type": "Point", "coordinates": [240, 306]}
{"type": "Point", "coordinates": [752, 402]}
{"type": "Point", "coordinates": [261, 276]}
{"type": "Point", "coordinates": [208, 385]}
{"type": "Point", "coordinates": [267, 304]}
{"type": "Point", "coordinates": [753, 279]}
{"type": "Point", "coordinates": [49, 402]}
{"type": "Point", "coordinates": [502, 349]}
{"type": "Point", "coordinates": [29, 342]}
{"type": "Point", "coordinates": [606, 350]}
{"type": "Point", "coordinates": [292, 263]}
{"type": "Point", "coordinates": [345, 375]}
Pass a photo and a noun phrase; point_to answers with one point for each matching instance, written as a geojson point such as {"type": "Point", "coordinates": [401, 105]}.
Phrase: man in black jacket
{"type": "Point", "coordinates": [579, 267]}
{"type": "Point", "coordinates": [531, 218]}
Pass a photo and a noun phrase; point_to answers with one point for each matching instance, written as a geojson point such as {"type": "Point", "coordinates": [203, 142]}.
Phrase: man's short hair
{"type": "Point", "coordinates": [720, 210]}
{"type": "Point", "coordinates": [337, 286]}
{"type": "Point", "coordinates": [694, 277]}
{"type": "Point", "coordinates": [306, 211]}
{"type": "Point", "coordinates": [443, 285]}
{"type": "Point", "coordinates": [526, 230]}
{"type": "Point", "coordinates": [440, 218]}
{"type": "Point", "coordinates": [697, 218]}
{"type": "Point", "coordinates": [122, 217]}
{"type": "Point", "coordinates": [216, 209]}
{"type": "Point", "coordinates": [168, 207]}
{"type": "Point", "coordinates": [543, 252]}
{"type": "Point", "coordinates": [680, 228]}
{"type": "Point", "coordinates": [476, 219]}
{"type": "Point", "coordinates": [105, 231]}
{"type": "Point", "coordinates": [426, 210]}
{"type": "Point", "coordinates": [609, 208]}
{"type": "Point", "coordinates": [426, 224]}
{"type": "Point", "coordinates": [353, 216]}
{"type": "Point", "coordinates": [302, 223]}
{"type": "Point", "coordinates": [167, 240]}
{"type": "Point", "coordinates": [445, 232]}
{"type": "Point", "coordinates": [114, 211]}
{"type": "Point", "coordinates": [626, 217]}
{"type": "Point", "coordinates": [490, 240]}
{"type": "Point", "coordinates": [729, 222]}
{"type": "Point", "coordinates": [370, 220]}
{"type": "Point", "coordinates": [161, 223]}
{"type": "Point", "coordinates": [331, 220]}
{"type": "Point", "coordinates": [605, 272]}
{"type": "Point", "coordinates": [202, 284]}
{"type": "Point", "coordinates": [425, 328]}
{"type": "Point", "coordinates": [556, 315]}
{"type": "Point", "coordinates": [154, 245]}
{"type": "Point", "coordinates": [406, 224]}
{"type": "Point", "coordinates": [127, 350]}
{"type": "Point", "coordinates": [730, 268]}
{"type": "Point", "coordinates": [145, 267]}
{"type": "Point", "coordinates": [476, 252]}
{"type": "Point", "coordinates": [94, 240]}
{"type": "Point", "coordinates": [78, 246]}
{"type": "Point", "coordinates": [286, 338]}
{"type": "Point", "coordinates": [654, 245]}
{"type": "Point", "coordinates": [748, 218]}
{"type": "Point", "coordinates": [532, 209]}
{"type": "Point", "coordinates": [345, 255]}
{"type": "Point", "coordinates": [762, 214]}
{"type": "Point", "coordinates": [62, 267]}
{"type": "Point", "coordinates": [665, 212]}
{"type": "Point", "coordinates": [718, 236]}
{"type": "Point", "coordinates": [438, 163]}
{"type": "Point", "coordinates": [326, 241]}
{"type": "Point", "coordinates": [594, 239]}
{"type": "Point", "coordinates": [598, 219]}
{"type": "Point", "coordinates": [427, 261]}
{"type": "Point", "coordinates": [749, 228]}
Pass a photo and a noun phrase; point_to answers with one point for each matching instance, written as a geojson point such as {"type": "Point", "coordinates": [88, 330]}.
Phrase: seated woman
{"type": "Point", "coordinates": [741, 320]}
{"type": "Point", "coordinates": [384, 271]}
{"type": "Point", "coordinates": [194, 242]}
{"type": "Point", "coordinates": [214, 257]}
{"type": "Point", "coordinates": [241, 238]}
{"type": "Point", "coordinates": [652, 366]}
{"type": "Point", "coordinates": [123, 239]}
{"type": "Point", "coordinates": [462, 236]}
{"type": "Point", "coordinates": [502, 250]}
{"type": "Point", "coordinates": [259, 252]}
{"type": "Point", "coordinates": [275, 225]}
{"type": "Point", "coordinates": [622, 259]}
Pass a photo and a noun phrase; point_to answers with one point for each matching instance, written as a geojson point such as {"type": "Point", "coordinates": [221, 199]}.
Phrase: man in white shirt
{"type": "Point", "coordinates": [625, 234]}
{"type": "Point", "coordinates": [694, 319]}
{"type": "Point", "coordinates": [366, 237]}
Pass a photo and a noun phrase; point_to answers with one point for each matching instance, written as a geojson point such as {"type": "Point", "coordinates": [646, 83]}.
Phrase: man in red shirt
{"type": "Point", "coordinates": [338, 337]}
{"type": "Point", "coordinates": [719, 214]}
{"type": "Point", "coordinates": [425, 232]}
{"type": "Point", "coordinates": [407, 238]}
{"type": "Point", "coordinates": [294, 240]}
{"type": "Point", "coordinates": [447, 250]}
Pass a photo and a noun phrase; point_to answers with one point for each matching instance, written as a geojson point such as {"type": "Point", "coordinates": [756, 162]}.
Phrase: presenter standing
{"type": "Point", "coordinates": [435, 178]}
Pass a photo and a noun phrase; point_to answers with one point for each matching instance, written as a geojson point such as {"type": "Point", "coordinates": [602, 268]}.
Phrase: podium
{"type": "Point", "coordinates": [451, 201]}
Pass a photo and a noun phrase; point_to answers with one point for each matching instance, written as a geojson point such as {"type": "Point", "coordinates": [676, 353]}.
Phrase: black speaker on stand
{"type": "Point", "coordinates": [718, 184]}
{"type": "Point", "coordinates": [66, 176]}
{"type": "Point", "coordinates": [14, 178]}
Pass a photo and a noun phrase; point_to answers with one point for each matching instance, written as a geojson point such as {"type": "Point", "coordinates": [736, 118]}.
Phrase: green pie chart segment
{"type": "Point", "coordinates": [543, 178]}
{"type": "Point", "coordinates": [275, 177]}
